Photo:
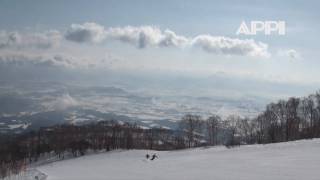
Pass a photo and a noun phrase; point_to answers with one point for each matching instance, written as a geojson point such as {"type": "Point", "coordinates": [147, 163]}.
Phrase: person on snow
{"type": "Point", "coordinates": [147, 156]}
{"type": "Point", "coordinates": [153, 157]}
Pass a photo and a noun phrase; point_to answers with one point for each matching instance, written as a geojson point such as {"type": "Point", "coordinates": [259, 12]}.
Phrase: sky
{"type": "Point", "coordinates": [162, 41]}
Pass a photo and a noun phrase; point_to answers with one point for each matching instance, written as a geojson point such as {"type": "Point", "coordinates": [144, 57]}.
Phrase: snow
{"type": "Point", "coordinates": [29, 174]}
{"type": "Point", "coordinates": [15, 126]}
{"type": "Point", "coordinates": [144, 127]}
{"type": "Point", "coordinates": [286, 161]}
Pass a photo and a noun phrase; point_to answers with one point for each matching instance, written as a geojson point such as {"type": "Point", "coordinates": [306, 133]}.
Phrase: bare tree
{"type": "Point", "coordinates": [246, 130]}
{"type": "Point", "coordinates": [212, 125]}
{"type": "Point", "coordinates": [232, 122]}
{"type": "Point", "coordinates": [191, 125]}
{"type": "Point", "coordinates": [293, 121]}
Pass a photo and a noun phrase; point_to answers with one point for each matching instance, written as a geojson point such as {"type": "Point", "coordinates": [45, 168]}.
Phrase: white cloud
{"type": "Point", "coordinates": [291, 53]}
{"type": "Point", "coordinates": [43, 40]}
{"type": "Point", "coordinates": [25, 59]}
{"type": "Point", "coordinates": [18, 40]}
{"type": "Point", "coordinates": [171, 39]}
{"type": "Point", "coordinates": [54, 60]}
{"type": "Point", "coordinates": [63, 102]}
{"type": "Point", "coordinates": [87, 32]}
{"type": "Point", "coordinates": [139, 36]}
{"type": "Point", "coordinates": [145, 36]}
{"type": "Point", "coordinates": [229, 46]}
{"type": "Point", "coordinates": [9, 39]}
{"type": "Point", "coordinates": [149, 36]}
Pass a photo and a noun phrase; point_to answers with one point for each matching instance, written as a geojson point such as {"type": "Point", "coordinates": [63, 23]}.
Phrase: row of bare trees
{"type": "Point", "coordinates": [63, 141]}
{"type": "Point", "coordinates": [293, 119]}
{"type": "Point", "coordinates": [296, 118]}
{"type": "Point", "coordinates": [213, 131]}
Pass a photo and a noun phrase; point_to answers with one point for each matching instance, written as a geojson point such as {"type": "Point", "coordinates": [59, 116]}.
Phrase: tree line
{"type": "Point", "coordinates": [285, 120]}
{"type": "Point", "coordinates": [62, 141]}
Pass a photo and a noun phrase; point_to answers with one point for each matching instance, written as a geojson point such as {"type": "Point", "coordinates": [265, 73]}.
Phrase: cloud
{"type": "Point", "coordinates": [171, 39]}
{"type": "Point", "coordinates": [139, 36]}
{"type": "Point", "coordinates": [16, 40]}
{"type": "Point", "coordinates": [8, 39]}
{"type": "Point", "coordinates": [87, 32]}
{"type": "Point", "coordinates": [230, 46]}
{"type": "Point", "coordinates": [54, 60]}
{"type": "Point", "coordinates": [64, 102]}
{"type": "Point", "coordinates": [150, 36]}
{"type": "Point", "coordinates": [24, 59]}
{"type": "Point", "coordinates": [291, 53]}
{"type": "Point", "coordinates": [145, 36]}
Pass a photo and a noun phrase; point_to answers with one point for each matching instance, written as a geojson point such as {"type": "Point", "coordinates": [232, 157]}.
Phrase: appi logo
{"type": "Point", "coordinates": [268, 27]}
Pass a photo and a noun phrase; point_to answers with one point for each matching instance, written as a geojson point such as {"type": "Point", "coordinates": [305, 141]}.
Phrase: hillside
{"type": "Point", "coordinates": [286, 161]}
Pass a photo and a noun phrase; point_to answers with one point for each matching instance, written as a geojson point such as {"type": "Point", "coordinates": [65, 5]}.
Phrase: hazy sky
{"type": "Point", "coordinates": [190, 38]}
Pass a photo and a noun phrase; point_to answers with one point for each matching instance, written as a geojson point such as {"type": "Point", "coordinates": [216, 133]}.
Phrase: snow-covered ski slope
{"type": "Point", "coordinates": [299, 160]}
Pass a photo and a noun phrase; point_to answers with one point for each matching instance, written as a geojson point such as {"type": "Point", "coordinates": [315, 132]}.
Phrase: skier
{"type": "Point", "coordinates": [153, 157]}
{"type": "Point", "coordinates": [147, 156]}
